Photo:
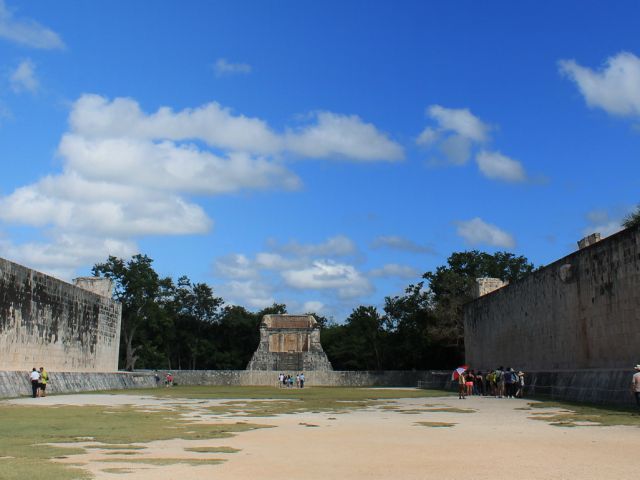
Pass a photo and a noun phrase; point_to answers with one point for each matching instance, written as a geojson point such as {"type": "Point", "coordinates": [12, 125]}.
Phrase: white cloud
{"type": "Point", "coordinates": [235, 266]}
{"type": "Point", "coordinates": [457, 131]}
{"type": "Point", "coordinates": [65, 252]}
{"type": "Point", "coordinates": [460, 121]}
{"type": "Point", "coordinates": [71, 203]}
{"type": "Point", "coordinates": [128, 174]}
{"type": "Point", "coordinates": [313, 306]}
{"type": "Point", "coordinates": [27, 32]}
{"type": "Point", "coordinates": [251, 293]}
{"type": "Point", "coordinates": [223, 68]}
{"type": "Point", "coordinates": [400, 243]}
{"type": "Point", "coordinates": [602, 222]}
{"type": "Point", "coordinates": [395, 270]}
{"type": "Point", "coordinates": [346, 136]}
{"type": "Point", "coordinates": [494, 165]}
{"type": "Point", "coordinates": [23, 78]}
{"type": "Point", "coordinates": [333, 246]}
{"type": "Point", "coordinates": [322, 274]}
{"type": "Point", "coordinates": [478, 232]}
{"type": "Point", "coordinates": [94, 116]}
{"type": "Point", "coordinates": [615, 87]}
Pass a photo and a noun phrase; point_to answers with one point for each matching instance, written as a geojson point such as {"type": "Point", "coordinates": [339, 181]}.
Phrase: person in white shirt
{"type": "Point", "coordinates": [35, 381]}
{"type": "Point", "coordinates": [635, 384]}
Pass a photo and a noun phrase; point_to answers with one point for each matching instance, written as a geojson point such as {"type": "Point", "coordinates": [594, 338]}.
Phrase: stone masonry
{"type": "Point", "coordinates": [580, 312]}
{"type": "Point", "coordinates": [289, 343]}
{"type": "Point", "coordinates": [63, 327]}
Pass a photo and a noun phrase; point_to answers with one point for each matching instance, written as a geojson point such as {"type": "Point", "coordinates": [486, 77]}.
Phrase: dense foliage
{"type": "Point", "coordinates": [167, 324]}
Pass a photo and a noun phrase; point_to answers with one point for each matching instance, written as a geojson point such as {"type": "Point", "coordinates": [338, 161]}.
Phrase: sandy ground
{"type": "Point", "coordinates": [497, 441]}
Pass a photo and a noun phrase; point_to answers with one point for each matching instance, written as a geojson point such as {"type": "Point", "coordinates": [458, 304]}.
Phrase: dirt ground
{"type": "Point", "coordinates": [496, 441]}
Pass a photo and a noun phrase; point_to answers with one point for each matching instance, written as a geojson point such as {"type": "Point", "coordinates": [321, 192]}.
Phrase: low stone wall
{"type": "Point", "coordinates": [593, 386]}
{"type": "Point", "coordinates": [313, 378]}
{"type": "Point", "coordinates": [611, 387]}
{"type": "Point", "coordinates": [17, 384]}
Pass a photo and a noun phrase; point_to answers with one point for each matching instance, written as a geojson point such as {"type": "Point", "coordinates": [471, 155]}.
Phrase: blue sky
{"type": "Point", "coordinates": [319, 154]}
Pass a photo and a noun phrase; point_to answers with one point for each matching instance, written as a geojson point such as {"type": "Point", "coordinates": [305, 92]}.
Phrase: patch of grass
{"type": "Point", "coordinates": [27, 432]}
{"type": "Point", "coordinates": [435, 424]}
{"type": "Point", "coordinates": [263, 393]}
{"type": "Point", "coordinates": [167, 461]}
{"type": "Point", "coordinates": [212, 450]}
{"type": "Point", "coordinates": [566, 414]}
{"type": "Point", "coordinates": [118, 470]}
{"type": "Point", "coordinates": [451, 410]}
{"type": "Point", "coordinates": [122, 452]}
{"type": "Point", "coordinates": [116, 447]}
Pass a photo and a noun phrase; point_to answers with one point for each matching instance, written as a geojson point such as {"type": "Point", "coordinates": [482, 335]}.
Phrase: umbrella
{"type": "Point", "coordinates": [458, 371]}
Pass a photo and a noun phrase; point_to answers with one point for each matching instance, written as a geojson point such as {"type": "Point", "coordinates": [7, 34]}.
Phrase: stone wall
{"type": "Point", "coordinates": [17, 384]}
{"type": "Point", "coordinates": [580, 314]}
{"type": "Point", "coordinates": [47, 322]}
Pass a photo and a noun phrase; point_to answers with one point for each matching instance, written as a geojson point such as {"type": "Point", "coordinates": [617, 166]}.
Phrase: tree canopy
{"type": "Point", "coordinates": [184, 325]}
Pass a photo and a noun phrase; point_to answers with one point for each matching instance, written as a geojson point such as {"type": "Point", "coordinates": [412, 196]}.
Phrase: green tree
{"type": "Point", "coordinates": [143, 295]}
{"type": "Point", "coordinates": [195, 310]}
{"type": "Point", "coordinates": [633, 219]}
{"type": "Point", "coordinates": [359, 343]}
{"type": "Point", "coordinates": [451, 286]}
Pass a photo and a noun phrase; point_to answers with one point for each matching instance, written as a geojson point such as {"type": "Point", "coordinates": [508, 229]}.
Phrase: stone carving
{"type": "Point", "coordinates": [289, 343]}
{"type": "Point", "coordinates": [486, 285]}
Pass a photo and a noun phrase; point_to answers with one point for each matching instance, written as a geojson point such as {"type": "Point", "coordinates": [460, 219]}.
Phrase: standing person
{"type": "Point", "coordinates": [35, 382]}
{"type": "Point", "coordinates": [635, 384]}
{"type": "Point", "coordinates": [470, 378]}
{"type": "Point", "coordinates": [462, 387]}
{"type": "Point", "coordinates": [298, 381]}
{"type": "Point", "coordinates": [508, 382]}
{"type": "Point", "coordinates": [302, 380]}
{"type": "Point", "coordinates": [520, 392]}
{"type": "Point", "coordinates": [281, 380]}
{"type": "Point", "coordinates": [44, 379]}
{"type": "Point", "coordinates": [479, 385]}
{"type": "Point", "coordinates": [500, 382]}
{"type": "Point", "coordinates": [156, 377]}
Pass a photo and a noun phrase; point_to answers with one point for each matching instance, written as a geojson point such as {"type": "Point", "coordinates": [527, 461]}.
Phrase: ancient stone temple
{"type": "Point", "coordinates": [289, 343]}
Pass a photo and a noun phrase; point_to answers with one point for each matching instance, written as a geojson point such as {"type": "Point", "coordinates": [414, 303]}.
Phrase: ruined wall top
{"type": "Point", "coordinates": [98, 285]}
{"type": "Point", "coordinates": [486, 285]}
{"type": "Point", "coordinates": [289, 321]}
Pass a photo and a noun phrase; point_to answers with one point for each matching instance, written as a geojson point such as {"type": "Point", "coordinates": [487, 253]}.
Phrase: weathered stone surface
{"type": "Point", "coordinates": [487, 285]}
{"type": "Point", "coordinates": [289, 343]}
{"type": "Point", "coordinates": [581, 312]}
{"type": "Point", "coordinates": [47, 322]}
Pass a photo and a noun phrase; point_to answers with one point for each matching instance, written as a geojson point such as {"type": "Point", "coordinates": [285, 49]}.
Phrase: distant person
{"type": "Point", "coordinates": [302, 380]}
{"type": "Point", "coordinates": [169, 379]}
{"type": "Point", "coordinates": [44, 379]}
{"type": "Point", "coordinates": [635, 384]}
{"type": "Point", "coordinates": [510, 379]}
{"type": "Point", "coordinates": [462, 387]}
{"type": "Point", "coordinates": [479, 386]}
{"type": "Point", "coordinates": [298, 381]}
{"type": "Point", "coordinates": [500, 382]}
{"type": "Point", "coordinates": [469, 379]}
{"type": "Point", "coordinates": [520, 391]}
{"type": "Point", "coordinates": [35, 381]}
{"type": "Point", "coordinates": [281, 380]}
{"type": "Point", "coordinates": [156, 377]}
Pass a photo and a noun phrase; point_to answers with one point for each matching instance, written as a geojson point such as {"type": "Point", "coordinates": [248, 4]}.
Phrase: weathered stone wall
{"type": "Point", "coordinates": [17, 384]}
{"type": "Point", "coordinates": [580, 312]}
{"type": "Point", "coordinates": [47, 322]}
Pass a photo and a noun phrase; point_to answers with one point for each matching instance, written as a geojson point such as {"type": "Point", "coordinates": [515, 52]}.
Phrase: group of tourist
{"type": "Point", "coordinates": [288, 381]}
{"type": "Point", "coordinates": [500, 383]}
{"type": "Point", "coordinates": [39, 380]}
